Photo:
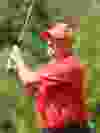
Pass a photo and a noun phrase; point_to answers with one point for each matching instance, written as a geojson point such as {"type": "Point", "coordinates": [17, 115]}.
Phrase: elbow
{"type": "Point", "coordinates": [28, 89]}
{"type": "Point", "coordinates": [27, 82]}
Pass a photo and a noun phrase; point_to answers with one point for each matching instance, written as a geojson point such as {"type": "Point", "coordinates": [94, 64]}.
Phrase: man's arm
{"type": "Point", "coordinates": [26, 75]}
{"type": "Point", "coordinates": [30, 80]}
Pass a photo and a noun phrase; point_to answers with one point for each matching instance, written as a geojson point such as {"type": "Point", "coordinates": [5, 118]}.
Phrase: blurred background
{"type": "Point", "coordinates": [13, 105]}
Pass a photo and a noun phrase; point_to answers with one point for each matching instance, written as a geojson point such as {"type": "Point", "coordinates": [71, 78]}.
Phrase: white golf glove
{"type": "Point", "coordinates": [15, 57]}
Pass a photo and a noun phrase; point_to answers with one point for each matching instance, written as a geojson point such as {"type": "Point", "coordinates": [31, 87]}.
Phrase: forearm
{"type": "Point", "coordinates": [25, 74]}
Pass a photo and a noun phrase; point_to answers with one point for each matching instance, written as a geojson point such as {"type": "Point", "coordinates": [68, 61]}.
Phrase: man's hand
{"type": "Point", "coordinates": [10, 66]}
{"type": "Point", "coordinates": [15, 57]}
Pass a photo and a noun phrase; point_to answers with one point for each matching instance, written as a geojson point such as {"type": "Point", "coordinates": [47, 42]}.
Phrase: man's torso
{"type": "Point", "coordinates": [60, 91]}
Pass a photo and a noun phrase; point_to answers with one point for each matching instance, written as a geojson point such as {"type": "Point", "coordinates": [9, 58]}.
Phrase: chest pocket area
{"type": "Point", "coordinates": [59, 94]}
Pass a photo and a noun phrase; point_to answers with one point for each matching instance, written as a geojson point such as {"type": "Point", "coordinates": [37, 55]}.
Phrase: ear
{"type": "Point", "coordinates": [68, 41]}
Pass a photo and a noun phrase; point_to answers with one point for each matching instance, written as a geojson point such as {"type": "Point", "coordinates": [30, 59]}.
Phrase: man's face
{"type": "Point", "coordinates": [56, 37]}
{"type": "Point", "coordinates": [55, 45]}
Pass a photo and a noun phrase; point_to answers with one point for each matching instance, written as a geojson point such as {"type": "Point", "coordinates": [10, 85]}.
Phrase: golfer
{"type": "Point", "coordinates": [60, 86]}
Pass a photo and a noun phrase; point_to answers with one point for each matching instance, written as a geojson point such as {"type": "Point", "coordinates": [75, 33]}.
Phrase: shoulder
{"type": "Point", "coordinates": [73, 63]}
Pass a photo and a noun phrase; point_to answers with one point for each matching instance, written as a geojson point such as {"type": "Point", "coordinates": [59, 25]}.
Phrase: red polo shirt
{"type": "Point", "coordinates": [60, 92]}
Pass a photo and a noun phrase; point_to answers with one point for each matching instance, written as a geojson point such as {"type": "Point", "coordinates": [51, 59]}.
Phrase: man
{"type": "Point", "coordinates": [58, 86]}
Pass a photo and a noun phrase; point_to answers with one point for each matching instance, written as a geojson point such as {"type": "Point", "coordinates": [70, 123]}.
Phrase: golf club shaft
{"type": "Point", "coordinates": [26, 21]}
{"type": "Point", "coordinates": [21, 34]}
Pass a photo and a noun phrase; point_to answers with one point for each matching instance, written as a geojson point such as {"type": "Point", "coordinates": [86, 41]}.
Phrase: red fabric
{"type": "Point", "coordinates": [60, 88]}
{"type": "Point", "coordinates": [60, 91]}
{"type": "Point", "coordinates": [28, 89]}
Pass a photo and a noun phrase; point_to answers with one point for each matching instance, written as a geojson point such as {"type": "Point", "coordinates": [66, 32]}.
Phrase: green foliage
{"type": "Point", "coordinates": [37, 42]}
